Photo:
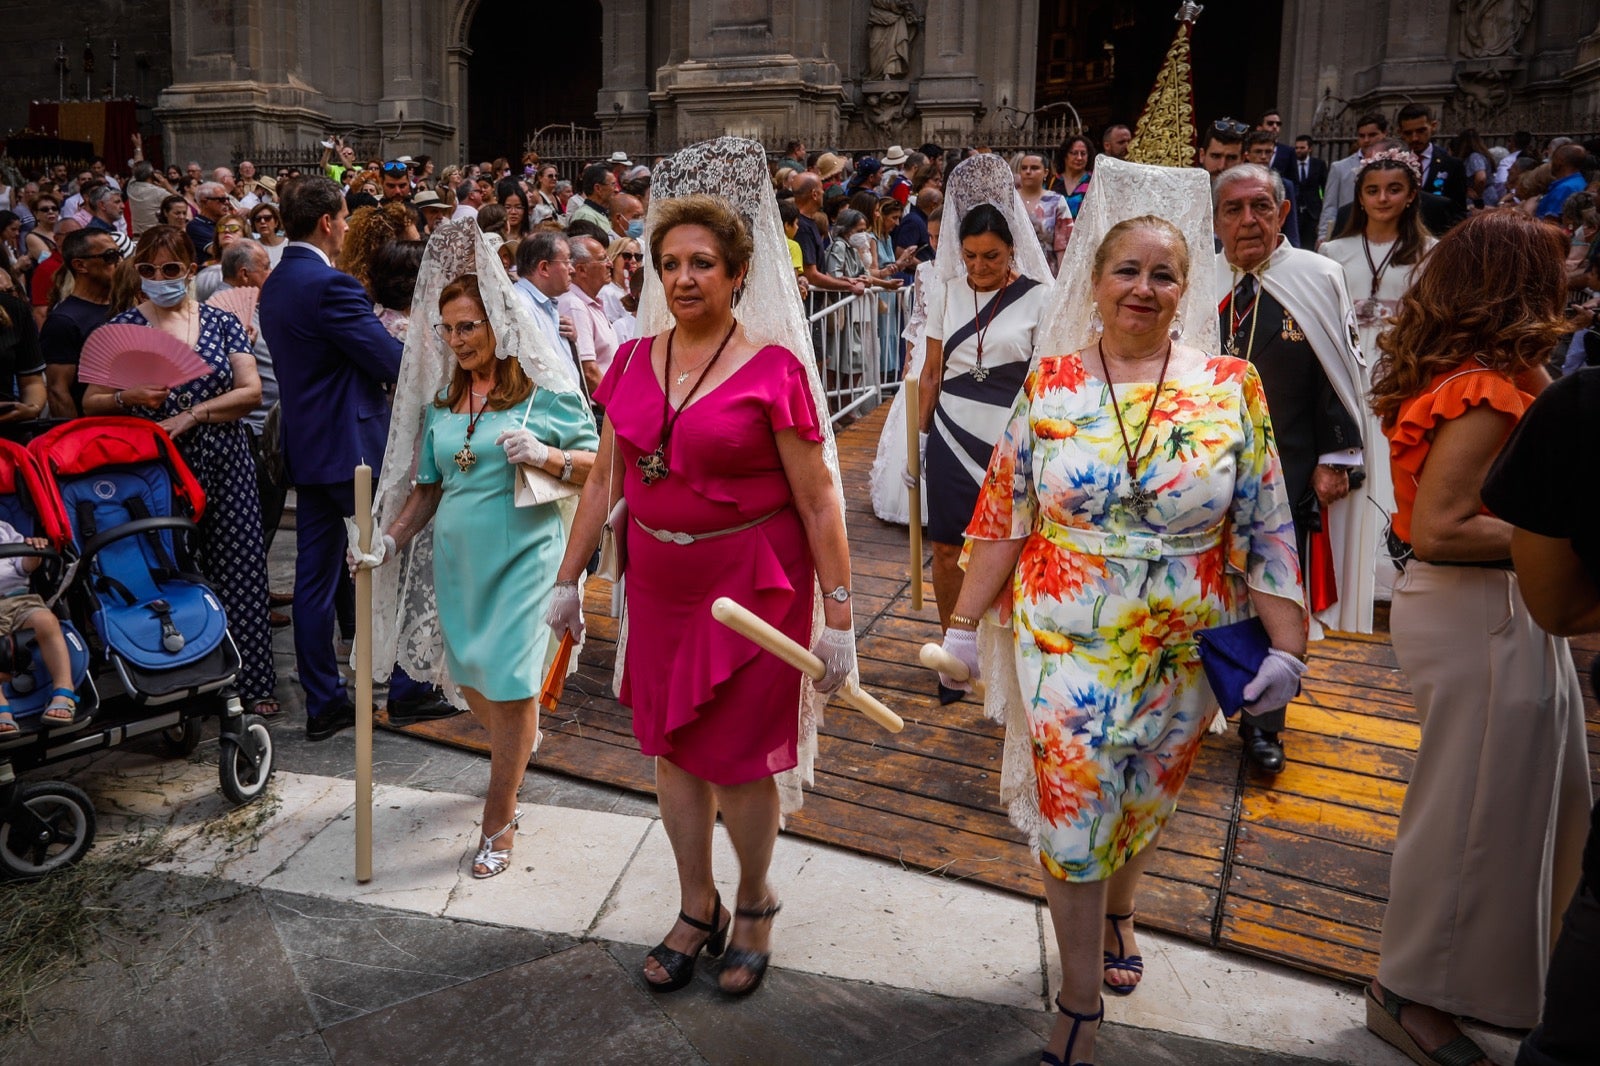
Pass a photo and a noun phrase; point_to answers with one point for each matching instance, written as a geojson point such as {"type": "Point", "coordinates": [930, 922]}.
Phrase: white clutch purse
{"type": "Point", "coordinates": [535, 487]}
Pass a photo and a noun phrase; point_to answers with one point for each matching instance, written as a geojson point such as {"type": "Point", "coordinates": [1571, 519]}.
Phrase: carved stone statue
{"type": "Point", "coordinates": [1492, 27]}
{"type": "Point", "coordinates": [890, 24]}
{"type": "Point", "coordinates": [884, 112]}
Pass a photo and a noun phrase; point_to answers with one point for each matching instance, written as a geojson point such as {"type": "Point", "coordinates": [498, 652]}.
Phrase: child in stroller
{"type": "Point", "coordinates": [20, 609]}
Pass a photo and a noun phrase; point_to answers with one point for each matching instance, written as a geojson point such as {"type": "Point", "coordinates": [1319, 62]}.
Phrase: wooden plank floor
{"type": "Point", "coordinates": [1293, 868]}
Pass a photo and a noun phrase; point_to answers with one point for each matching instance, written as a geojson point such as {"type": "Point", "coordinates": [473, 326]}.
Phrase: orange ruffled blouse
{"type": "Point", "coordinates": [1448, 396]}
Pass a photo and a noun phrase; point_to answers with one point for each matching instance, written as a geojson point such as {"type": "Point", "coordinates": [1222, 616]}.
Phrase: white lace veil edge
{"type": "Point", "coordinates": [735, 170]}
{"type": "Point", "coordinates": [987, 179]}
{"type": "Point", "coordinates": [405, 613]}
{"type": "Point", "coordinates": [1120, 191]}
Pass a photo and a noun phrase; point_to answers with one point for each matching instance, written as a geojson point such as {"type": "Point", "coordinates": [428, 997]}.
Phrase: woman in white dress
{"type": "Point", "coordinates": [1381, 248]}
{"type": "Point", "coordinates": [891, 499]}
{"type": "Point", "coordinates": [980, 333]}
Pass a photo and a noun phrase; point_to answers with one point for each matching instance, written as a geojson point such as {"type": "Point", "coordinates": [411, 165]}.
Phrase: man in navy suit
{"type": "Point", "coordinates": [1442, 174]}
{"type": "Point", "coordinates": [333, 360]}
{"type": "Point", "coordinates": [1310, 179]}
{"type": "Point", "coordinates": [1282, 155]}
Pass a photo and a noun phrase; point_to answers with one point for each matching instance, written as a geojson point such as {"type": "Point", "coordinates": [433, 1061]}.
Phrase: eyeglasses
{"type": "Point", "coordinates": [110, 255]}
{"type": "Point", "coordinates": [465, 330]}
{"type": "Point", "coordinates": [1228, 125]}
{"type": "Point", "coordinates": [166, 271]}
{"type": "Point", "coordinates": [213, 199]}
{"type": "Point", "coordinates": [394, 166]}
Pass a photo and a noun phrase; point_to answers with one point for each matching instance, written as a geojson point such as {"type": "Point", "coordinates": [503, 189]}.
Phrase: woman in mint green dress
{"type": "Point", "coordinates": [494, 563]}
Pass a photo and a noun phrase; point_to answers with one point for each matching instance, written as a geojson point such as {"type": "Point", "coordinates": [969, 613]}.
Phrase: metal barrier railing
{"type": "Point", "coordinates": [858, 346]}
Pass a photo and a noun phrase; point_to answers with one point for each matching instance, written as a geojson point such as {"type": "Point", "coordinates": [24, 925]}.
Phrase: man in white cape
{"type": "Point", "coordinates": [1288, 311]}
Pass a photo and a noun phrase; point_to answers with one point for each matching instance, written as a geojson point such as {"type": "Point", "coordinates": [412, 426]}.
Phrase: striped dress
{"type": "Point", "coordinates": [974, 404]}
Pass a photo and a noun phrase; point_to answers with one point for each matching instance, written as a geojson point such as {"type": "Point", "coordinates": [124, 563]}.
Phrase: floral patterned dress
{"type": "Point", "coordinates": [1106, 605]}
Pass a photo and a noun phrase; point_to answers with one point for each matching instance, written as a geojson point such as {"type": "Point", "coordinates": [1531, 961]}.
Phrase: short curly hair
{"type": "Point", "coordinates": [712, 212]}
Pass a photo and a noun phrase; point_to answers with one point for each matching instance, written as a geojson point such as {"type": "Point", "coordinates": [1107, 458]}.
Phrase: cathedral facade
{"type": "Point", "coordinates": [479, 78]}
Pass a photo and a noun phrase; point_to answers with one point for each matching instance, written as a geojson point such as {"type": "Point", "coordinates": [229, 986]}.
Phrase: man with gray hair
{"type": "Point", "coordinates": [105, 214]}
{"type": "Point", "coordinates": [1288, 313]}
{"type": "Point", "coordinates": [596, 341]}
{"type": "Point", "coordinates": [212, 199]}
{"type": "Point", "coordinates": [544, 274]}
{"type": "Point", "coordinates": [144, 198]}
{"type": "Point", "coordinates": [469, 197]}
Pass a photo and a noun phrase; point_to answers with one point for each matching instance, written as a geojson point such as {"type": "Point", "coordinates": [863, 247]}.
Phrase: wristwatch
{"type": "Point", "coordinates": [838, 595]}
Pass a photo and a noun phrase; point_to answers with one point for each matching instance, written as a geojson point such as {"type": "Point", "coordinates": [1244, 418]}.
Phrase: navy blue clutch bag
{"type": "Point", "coordinates": [1231, 655]}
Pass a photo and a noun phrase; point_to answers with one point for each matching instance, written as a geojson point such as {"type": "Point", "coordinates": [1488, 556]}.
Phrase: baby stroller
{"type": "Point", "coordinates": [123, 497]}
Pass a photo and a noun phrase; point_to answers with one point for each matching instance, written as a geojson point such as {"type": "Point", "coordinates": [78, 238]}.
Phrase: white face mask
{"type": "Point", "coordinates": [860, 241]}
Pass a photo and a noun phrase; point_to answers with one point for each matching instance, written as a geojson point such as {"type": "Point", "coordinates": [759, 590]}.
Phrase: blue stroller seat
{"type": "Point", "coordinates": [125, 491]}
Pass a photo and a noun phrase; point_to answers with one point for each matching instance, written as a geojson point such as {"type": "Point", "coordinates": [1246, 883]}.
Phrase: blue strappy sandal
{"type": "Point", "coordinates": [1047, 1059]}
{"type": "Point", "coordinates": [1118, 961]}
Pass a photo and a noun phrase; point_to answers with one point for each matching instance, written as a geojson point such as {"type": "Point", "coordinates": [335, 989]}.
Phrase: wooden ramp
{"type": "Point", "coordinates": [1293, 868]}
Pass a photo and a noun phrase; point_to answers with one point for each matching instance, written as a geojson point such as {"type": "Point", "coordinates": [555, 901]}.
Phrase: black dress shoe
{"type": "Point", "coordinates": [1263, 749]}
{"type": "Point", "coordinates": [948, 695]}
{"type": "Point", "coordinates": [426, 708]}
{"type": "Point", "coordinates": [324, 725]}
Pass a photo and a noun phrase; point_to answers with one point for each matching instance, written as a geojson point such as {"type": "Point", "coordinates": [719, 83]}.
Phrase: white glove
{"type": "Point", "coordinates": [1275, 684]}
{"type": "Point", "coordinates": [355, 559]}
{"type": "Point", "coordinates": [566, 613]}
{"type": "Point", "coordinates": [523, 447]}
{"type": "Point", "coordinates": [837, 650]}
{"type": "Point", "coordinates": [963, 644]}
{"type": "Point", "coordinates": [922, 462]}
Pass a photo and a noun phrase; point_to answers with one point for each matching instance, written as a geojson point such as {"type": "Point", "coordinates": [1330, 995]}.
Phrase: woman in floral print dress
{"type": "Point", "coordinates": [1111, 573]}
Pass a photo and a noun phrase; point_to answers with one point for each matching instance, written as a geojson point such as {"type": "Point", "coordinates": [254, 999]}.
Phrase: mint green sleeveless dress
{"type": "Point", "coordinates": [494, 563]}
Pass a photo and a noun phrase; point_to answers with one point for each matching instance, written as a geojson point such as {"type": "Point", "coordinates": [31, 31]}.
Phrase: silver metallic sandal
{"type": "Point", "coordinates": [494, 862]}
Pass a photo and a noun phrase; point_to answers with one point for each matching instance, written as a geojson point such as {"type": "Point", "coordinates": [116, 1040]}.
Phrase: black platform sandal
{"type": "Point", "coordinates": [1047, 1059]}
{"type": "Point", "coordinates": [1118, 961]}
{"type": "Point", "coordinates": [743, 959]}
{"type": "Point", "coordinates": [679, 966]}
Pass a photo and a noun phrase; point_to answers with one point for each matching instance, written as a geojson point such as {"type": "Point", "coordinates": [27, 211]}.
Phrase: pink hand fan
{"type": "Point", "coordinates": [125, 356]}
{"type": "Point", "coordinates": [239, 302]}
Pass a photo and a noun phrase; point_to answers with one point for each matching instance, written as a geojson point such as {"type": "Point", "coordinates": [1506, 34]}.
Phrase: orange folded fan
{"type": "Point", "coordinates": [125, 356]}
{"type": "Point", "coordinates": [555, 682]}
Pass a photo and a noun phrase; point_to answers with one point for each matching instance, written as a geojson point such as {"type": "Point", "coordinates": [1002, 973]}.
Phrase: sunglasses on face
{"type": "Point", "coordinates": [110, 255]}
{"type": "Point", "coordinates": [165, 271]}
{"type": "Point", "coordinates": [47, 209]}
{"type": "Point", "coordinates": [632, 257]}
{"type": "Point", "coordinates": [1228, 125]}
{"type": "Point", "coordinates": [230, 229]}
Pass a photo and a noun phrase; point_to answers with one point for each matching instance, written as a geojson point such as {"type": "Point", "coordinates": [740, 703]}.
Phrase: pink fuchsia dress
{"type": "Point", "coordinates": [702, 696]}
{"type": "Point", "coordinates": [1106, 605]}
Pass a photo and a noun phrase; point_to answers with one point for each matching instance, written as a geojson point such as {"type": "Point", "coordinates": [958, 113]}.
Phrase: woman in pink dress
{"type": "Point", "coordinates": [718, 445]}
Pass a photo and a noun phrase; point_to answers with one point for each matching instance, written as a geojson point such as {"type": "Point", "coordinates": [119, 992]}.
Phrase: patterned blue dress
{"type": "Point", "coordinates": [229, 549]}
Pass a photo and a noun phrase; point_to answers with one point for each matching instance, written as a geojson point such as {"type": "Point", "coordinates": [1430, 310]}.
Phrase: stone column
{"type": "Point", "coordinates": [949, 95]}
{"type": "Point", "coordinates": [624, 104]}
{"type": "Point", "coordinates": [747, 69]}
{"type": "Point", "coordinates": [235, 80]}
{"type": "Point", "coordinates": [413, 113]}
